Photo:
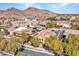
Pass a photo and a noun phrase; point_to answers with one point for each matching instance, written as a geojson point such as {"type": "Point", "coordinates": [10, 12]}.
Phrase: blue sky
{"type": "Point", "coordinates": [54, 7]}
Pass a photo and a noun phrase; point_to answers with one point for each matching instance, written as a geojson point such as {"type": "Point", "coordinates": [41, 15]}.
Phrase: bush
{"type": "Point", "coordinates": [35, 42]}
{"type": "Point", "coordinates": [50, 24]}
{"type": "Point", "coordinates": [12, 46]}
{"type": "Point", "coordinates": [25, 37]}
{"type": "Point", "coordinates": [68, 47]}
{"type": "Point", "coordinates": [53, 43]}
{"type": "Point", "coordinates": [76, 27]}
{"type": "Point", "coordinates": [4, 32]}
{"type": "Point", "coordinates": [21, 54]}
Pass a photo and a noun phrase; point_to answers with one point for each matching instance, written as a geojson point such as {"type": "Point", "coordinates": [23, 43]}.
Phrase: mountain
{"type": "Point", "coordinates": [21, 14]}
{"type": "Point", "coordinates": [13, 13]}
{"type": "Point", "coordinates": [39, 13]}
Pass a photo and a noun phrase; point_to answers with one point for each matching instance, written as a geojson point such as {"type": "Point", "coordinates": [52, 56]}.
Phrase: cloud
{"type": "Point", "coordinates": [65, 4]}
{"type": "Point", "coordinates": [32, 5]}
{"type": "Point", "coordinates": [29, 4]}
{"type": "Point", "coordinates": [57, 6]}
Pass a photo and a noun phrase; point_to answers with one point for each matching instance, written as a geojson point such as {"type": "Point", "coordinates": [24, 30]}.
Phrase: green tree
{"type": "Point", "coordinates": [4, 31]}
{"type": "Point", "coordinates": [12, 46]}
{"type": "Point", "coordinates": [25, 37]}
{"type": "Point", "coordinates": [1, 37]}
{"type": "Point", "coordinates": [3, 44]}
{"type": "Point", "coordinates": [73, 39]}
{"type": "Point", "coordinates": [76, 27]}
{"type": "Point", "coordinates": [18, 39]}
{"type": "Point", "coordinates": [71, 46]}
{"type": "Point", "coordinates": [52, 19]}
{"type": "Point", "coordinates": [55, 44]}
{"type": "Point", "coordinates": [49, 40]}
{"type": "Point", "coordinates": [71, 50]}
{"type": "Point", "coordinates": [35, 42]}
{"type": "Point", "coordinates": [50, 24]}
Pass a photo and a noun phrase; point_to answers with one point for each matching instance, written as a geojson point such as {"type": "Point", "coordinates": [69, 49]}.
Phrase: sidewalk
{"type": "Point", "coordinates": [2, 53]}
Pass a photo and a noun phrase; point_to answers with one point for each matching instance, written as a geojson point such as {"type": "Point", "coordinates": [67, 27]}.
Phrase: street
{"type": "Point", "coordinates": [34, 53]}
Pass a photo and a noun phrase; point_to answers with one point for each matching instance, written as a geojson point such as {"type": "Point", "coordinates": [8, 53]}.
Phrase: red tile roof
{"type": "Point", "coordinates": [44, 33]}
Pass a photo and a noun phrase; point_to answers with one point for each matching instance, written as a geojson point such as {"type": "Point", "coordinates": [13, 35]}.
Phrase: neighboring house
{"type": "Point", "coordinates": [73, 18]}
{"type": "Point", "coordinates": [66, 25]}
{"type": "Point", "coordinates": [22, 30]}
{"type": "Point", "coordinates": [63, 24]}
{"type": "Point", "coordinates": [76, 32]}
{"type": "Point", "coordinates": [19, 23]}
{"type": "Point", "coordinates": [42, 22]}
{"type": "Point", "coordinates": [44, 34]}
{"type": "Point", "coordinates": [13, 29]}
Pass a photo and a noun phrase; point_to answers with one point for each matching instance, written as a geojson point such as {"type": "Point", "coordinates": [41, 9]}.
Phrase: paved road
{"type": "Point", "coordinates": [34, 53]}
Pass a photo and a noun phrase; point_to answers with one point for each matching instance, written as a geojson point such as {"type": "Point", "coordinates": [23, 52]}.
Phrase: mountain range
{"type": "Point", "coordinates": [22, 14]}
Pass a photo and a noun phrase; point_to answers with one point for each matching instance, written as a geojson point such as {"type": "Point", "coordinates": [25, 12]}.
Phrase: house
{"type": "Point", "coordinates": [44, 34]}
{"type": "Point", "coordinates": [19, 23]}
{"type": "Point", "coordinates": [42, 22]}
{"type": "Point", "coordinates": [13, 29]}
{"type": "Point", "coordinates": [31, 18]}
{"type": "Point", "coordinates": [20, 29]}
{"type": "Point", "coordinates": [66, 25]}
{"type": "Point", "coordinates": [63, 23]}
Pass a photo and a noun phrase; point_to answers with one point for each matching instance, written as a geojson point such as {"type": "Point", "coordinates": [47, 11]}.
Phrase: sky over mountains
{"type": "Point", "coordinates": [63, 8]}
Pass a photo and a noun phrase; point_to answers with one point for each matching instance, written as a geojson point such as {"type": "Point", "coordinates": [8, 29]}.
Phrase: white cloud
{"type": "Point", "coordinates": [38, 6]}
{"type": "Point", "coordinates": [32, 5]}
{"type": "Point", "coordinates": [59, 5]}
{"type": "Point", "coordinates": [29, 4]}
{"type": "Point", "coordinates": [64, 4]}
